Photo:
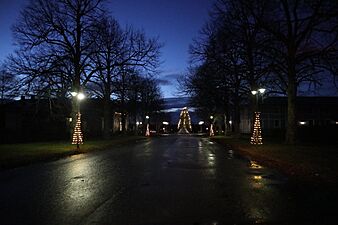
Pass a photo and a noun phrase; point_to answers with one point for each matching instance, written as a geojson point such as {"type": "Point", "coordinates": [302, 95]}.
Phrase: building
{"type": "Point", "coordinates": [317, 117]}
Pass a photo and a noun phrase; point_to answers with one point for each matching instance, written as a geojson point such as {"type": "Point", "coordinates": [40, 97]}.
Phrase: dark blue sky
{"type": "Point", "coordinates": [175, 22]}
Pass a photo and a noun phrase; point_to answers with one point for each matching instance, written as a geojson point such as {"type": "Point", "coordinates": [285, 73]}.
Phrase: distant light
{"type": "Point", "coordinates": [147, 117]}
{"type": "Point", "coordinates": [230, 122]}
{"type": "Point", "coordinates": [211, 117]}
{"type": "Point", "coordinates": [302, 122]}
{"type": "Point", "coordinates": [165, 123]}
{"type": "Point", "coordinates": [336, 122]}
{"type": "Point", "coordinates": [257, 177]}
{"type": "Point", "coordinates": [73, 93]}
{"type": "Point", "coordinates": [254, 92]}
{"type": "Point", "coordinates": [70, 119]}
{"type": "Point", "coordinates": [137, 123]}
{"type": "Point", "coordinates": [80, 96]}
{"type": "Point", "coordinates": [201, 123]}
{"type": "Point", "coordinates": [140, 123]}
{"type": "Point", "coordinates": [261, 90]}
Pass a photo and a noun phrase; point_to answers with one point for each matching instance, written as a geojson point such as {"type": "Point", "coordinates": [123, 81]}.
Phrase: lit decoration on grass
{"type": "Point", "coordinates": [77, 135]}
{"type": "Point", "coordinates": [184, 124]}
{"type": "Point", "coordinates": [147, 131]}
{"type": "Point", "coordinates": [212, 133]}
{"type": "Point", "coordinates": [256, 138]}
{"type": "Point", "coordinates": [147, 127]}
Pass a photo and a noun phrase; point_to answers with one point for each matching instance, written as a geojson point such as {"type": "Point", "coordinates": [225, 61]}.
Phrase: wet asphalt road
{"type": "Point", "coordinates": [165, 180]}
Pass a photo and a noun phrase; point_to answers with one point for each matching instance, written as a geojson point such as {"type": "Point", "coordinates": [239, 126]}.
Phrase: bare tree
{"type": "Point", "coordinates": [7, 83]}
{"type": "Point", "coordinates": [299, 36]}
{"type": "Point", "coordinates": [58, 32]}
{"type": "Point", "coordinates": [105, 61]}
{"type": "Point", "coordinates": [232, 45]}
{"type": "Point", "coordinates": [118, 54]}
{"type": "Point", "coordinates": [280, 44]}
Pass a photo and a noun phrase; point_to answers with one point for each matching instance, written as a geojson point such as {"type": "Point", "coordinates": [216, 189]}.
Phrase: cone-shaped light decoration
{"type": "Point", "coordinates": [147, 131]}
{"type": "Point", "coordinates": [256, 138]}
{"type": "Point", "coordinates": [212, 130]}
{"type": "Point", "coordinates": [184, 124]}
{"type": "Point", "coordinates": [77, 135]}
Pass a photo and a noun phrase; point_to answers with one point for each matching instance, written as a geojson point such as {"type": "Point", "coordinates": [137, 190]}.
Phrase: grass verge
{"type": "Point", "coordinates": [317, 164]}
{"type": "Point", "coordinates": [15, 155]}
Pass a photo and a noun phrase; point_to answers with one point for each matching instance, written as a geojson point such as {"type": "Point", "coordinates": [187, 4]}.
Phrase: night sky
{"type": "Point", "coordinates": [175, 22]}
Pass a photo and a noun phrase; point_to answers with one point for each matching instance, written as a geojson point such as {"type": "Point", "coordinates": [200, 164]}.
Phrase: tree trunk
{"type": "Point", "coordinates": [292, 93]}
{"type": "Point", "coordinates": [226, 128]}
{"type": "Point", "coordinates": [236, 118]}
{"type": "Point", "coordinates": [123, 122]}
{"type": "Point", "coordinates": [123, 111]}
{"type": "Point", "coordinates": [107, 119]}
{"type": "Point", "coordinates": [292, 128]}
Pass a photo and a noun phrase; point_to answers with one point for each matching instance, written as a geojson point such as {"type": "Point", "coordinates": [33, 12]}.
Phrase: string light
{"type": "Point", "coordinates": [77, 135]}
{"type": "Point", "coordinates": [184, 124]}
{"type": "Point", "coordinates": [256, 138]}
{"type": "Point", "coordinates": [212, 130]}
{"type": "Point", "coordinates": [147, 131]}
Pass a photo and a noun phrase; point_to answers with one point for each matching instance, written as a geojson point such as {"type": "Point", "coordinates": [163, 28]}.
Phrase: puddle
{"type": "Point", "coordinates": [255, 165]}
{"type": "Point", "coordinates": [230, 154]}
{"type": "Point", "coordinates": [262, 177]}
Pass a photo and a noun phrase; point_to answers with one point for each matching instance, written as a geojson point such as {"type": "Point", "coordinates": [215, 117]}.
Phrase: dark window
{"type": "Point", "coordinates": [277, 124]}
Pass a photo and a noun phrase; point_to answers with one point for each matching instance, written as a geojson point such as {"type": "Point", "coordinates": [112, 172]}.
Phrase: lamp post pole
{"type": "Point", "coordinates": [258, 93]}
{"type": "Point", "coordinates": [77, 133]}
{"type": "Point", "coordinates": [211, 126]}
{"type": "Point", "coordinates": [147, 129]}
{"type": "Point", "coordinates": [256, 138]}
{"type": "Point", "coordinates": [201, 126]}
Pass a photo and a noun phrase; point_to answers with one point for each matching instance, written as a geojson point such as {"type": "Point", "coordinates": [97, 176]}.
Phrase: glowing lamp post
{"type": "Point", "coordinates": [257, 93]}
{"type": "Point", "coordinates": [211, 132]}
{"type": "Point", "coordinates": [201, 124]}
{"type": "Point", "coordinates": [77, 133]}
{"type": "Point", "coordinates": [165, 125]}
{"type": "Point", "coordinates": [147, 130]}
{"type": "Point", "coordinates": [256, 138]}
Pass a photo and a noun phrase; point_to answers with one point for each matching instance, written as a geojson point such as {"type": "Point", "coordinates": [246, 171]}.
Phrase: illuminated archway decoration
{"type": "Point", "coordinates": [256, 138]}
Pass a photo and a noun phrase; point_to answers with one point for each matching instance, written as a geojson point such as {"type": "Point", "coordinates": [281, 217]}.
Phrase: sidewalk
{"type": "Point", "coordinates": [317, 164]}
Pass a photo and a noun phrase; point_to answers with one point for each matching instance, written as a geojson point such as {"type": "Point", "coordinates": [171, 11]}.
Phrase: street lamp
{"type": "Point", "coordinates": [165, 125]}
{"type": "Point", "coordinates": [211, 133]}
{"type": "Point", "coordinates": [147, 130]}
{"type": "Point", "coordinates": [201, 124]}
{"type": "Point", "coordinates": [77, 134]}
{"type": "Point", "coordinates": [257, 93]}
{"type": "Point", "coordinates": [256, 138]}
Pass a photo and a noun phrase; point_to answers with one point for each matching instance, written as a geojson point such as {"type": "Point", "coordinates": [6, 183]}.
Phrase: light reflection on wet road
{"type": "Point", "coordinates": [166, 180]}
